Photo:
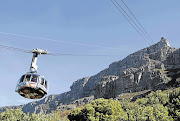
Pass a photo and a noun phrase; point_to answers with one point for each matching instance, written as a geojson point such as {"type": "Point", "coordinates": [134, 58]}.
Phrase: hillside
{"type": "Point", "coordinates": [152, 68]}
{"type": "Point", "coordinates": [155, 106]}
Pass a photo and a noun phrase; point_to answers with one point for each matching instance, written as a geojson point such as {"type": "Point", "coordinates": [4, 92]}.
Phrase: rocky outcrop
{"type": "Point", "coordinates": [154, 67]}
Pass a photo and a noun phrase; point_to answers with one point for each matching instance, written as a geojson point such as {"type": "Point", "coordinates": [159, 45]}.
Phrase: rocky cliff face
{"type": "Point", "coordinates": [154, 67]}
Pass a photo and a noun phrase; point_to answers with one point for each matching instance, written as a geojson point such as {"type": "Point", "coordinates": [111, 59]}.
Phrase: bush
{"type": "Point", "coordinates": [99, 110]}
{"type": "Point", "coordinates": [19, 115]}
{"type": "Point", "coordinates": [156, 106]}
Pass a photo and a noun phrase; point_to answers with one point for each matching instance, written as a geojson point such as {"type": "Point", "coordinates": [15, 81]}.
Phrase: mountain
{"type": "Point", "coordinates": [152, 68]}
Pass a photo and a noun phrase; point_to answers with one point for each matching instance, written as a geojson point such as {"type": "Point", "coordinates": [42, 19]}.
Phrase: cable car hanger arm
{"type": "Point", "coordinates": [36, 52]}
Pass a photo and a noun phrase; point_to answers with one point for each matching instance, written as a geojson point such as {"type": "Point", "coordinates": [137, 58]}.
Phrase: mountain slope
{"type": "Point", "coordinates": [154, 67]}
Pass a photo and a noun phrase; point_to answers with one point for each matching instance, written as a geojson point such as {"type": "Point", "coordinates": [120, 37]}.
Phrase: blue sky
{"type": "Point", "coordinates": [95, 22]}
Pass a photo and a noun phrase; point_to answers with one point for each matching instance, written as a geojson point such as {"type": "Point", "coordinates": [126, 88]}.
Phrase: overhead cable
{"type": "Point", "coordinates": [129, 21]}
{"type": "Point", "coordinates": [137, 21]}
{"type": "Point", "coordinates": [52, 54]}
{"type": "Point", "coordinates": [59, 41]}
{"type": "Point", "coordinates": [66, 54]}
{"type": "Point", "coordinates": [13, 48]}
{"type": "Point", "coordinates": [61, 54]}
{"type": "Point", "coordinates": [132, 20]}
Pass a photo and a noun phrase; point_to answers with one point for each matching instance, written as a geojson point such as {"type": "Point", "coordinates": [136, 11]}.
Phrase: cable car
{"type": "Point", "coordinates": [32, 85]}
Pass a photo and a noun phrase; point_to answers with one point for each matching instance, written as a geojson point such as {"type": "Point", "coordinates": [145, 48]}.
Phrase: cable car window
{"type": "Point", "coordinates": [45, 84]}
{"type": "Point", "coordinates": [42, 81]}
{"type": "Point", "coordinates": [22, 78]}
{"type": "Point", "coordinates": [34, 78]}
{"type": "Point", "coordinates": [27, 78]}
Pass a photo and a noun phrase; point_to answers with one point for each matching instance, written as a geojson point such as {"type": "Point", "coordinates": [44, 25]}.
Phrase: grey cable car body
{"type": "Point", "coordinates": [32, 85]}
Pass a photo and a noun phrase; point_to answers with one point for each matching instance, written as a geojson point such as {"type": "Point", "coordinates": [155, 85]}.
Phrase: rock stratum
{"type": "Point", "coordinates": [152, 68]}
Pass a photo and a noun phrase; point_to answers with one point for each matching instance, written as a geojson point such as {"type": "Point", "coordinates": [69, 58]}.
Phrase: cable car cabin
{"type": "Point", "coordinates": [32, 86]}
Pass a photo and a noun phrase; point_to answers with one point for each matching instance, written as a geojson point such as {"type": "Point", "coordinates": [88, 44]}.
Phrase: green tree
{"type": "Point", "coordinates": [99, 110]}
{"type": "Point", "coordinates": [174, 104]}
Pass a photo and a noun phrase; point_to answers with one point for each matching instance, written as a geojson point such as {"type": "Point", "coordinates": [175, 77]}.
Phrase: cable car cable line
{"type": "Point", "coordinates": [59, 41]}
{"type": "Point", "coordinates": [133, 21]}
{"type": "Point", "coordinates": [137, 21]}
{"type": "Point", "coordinates": [14, 48]}
{"type": "Point", "coordinates": [51, 54]}
{"type": "Point", "coordinates": [129, 22]}
{"type": "Point", "coordinates": [66, 54]}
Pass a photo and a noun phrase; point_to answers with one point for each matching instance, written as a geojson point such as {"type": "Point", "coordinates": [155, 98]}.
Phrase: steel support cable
{"type": "Point", "coordinates": [52, 54]}
{"type": "Point", "coordinates": [59, 41]}
{"type": "Point", "coordinates": [129, 22]}
{"type": "Point", "coordinates": [132, 20]}
{"type": "Point", "coordinates": [67, 54]}
{"type": "Point", "coordinates": [138, 21]}
{"type": "Point", "coordinates": [13, 48]}
{"type": "Point", "coordinates": [63, 54]}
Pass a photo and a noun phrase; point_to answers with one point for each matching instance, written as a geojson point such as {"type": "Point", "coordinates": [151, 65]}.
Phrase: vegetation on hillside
{"type": "Point", "coordinates": [156, 106]}
{"type": "Point", "coordinates": [19, 115]}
